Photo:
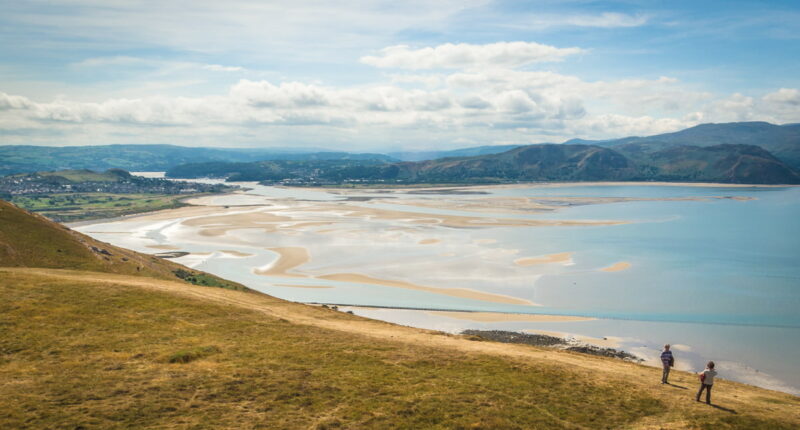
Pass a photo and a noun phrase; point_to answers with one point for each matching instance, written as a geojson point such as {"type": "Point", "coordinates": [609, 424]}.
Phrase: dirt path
{"type": "Point", "coordinates": [734, 398]}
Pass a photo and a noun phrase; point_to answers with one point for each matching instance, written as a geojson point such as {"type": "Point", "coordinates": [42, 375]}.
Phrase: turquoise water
{"type": "Point", "coordinates": [717, 261]}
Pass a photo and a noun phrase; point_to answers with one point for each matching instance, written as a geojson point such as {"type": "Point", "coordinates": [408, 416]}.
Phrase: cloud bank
{"type": "Point", "coordinates": [449, 95]}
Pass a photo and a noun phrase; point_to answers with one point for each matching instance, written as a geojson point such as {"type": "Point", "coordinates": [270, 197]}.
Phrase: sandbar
{"type": "Point", "coordinates": [218, 225]}
{"type": "Point", "coordinates": [236, 253]}
{"type": "Point", "coordinates": [616, 267]}
{"type": "Point", "coordinates": [561, 257]}
{"type": "Point", "coordinates": [455, 221]}
{"type": "Point", "coordinates": [464, 293]}
{"type": "Point", "coordinates": [429, 241]}
{"type": "Point", "coordinates": [288, 259]}
{"type": "Point", "coordinates": [304, 286]}
{"type": "Point", "coordinates": [505, 317]}
{"type": "Point", "coordinates": [164, 247]}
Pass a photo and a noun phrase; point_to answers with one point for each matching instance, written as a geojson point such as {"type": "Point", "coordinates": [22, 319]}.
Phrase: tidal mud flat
{"type": "Point", "coordinates": [602, 253]}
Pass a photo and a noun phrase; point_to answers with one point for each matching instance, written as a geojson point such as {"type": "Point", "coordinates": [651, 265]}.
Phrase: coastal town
{"type": "Point", "coordinates": [115, 181]}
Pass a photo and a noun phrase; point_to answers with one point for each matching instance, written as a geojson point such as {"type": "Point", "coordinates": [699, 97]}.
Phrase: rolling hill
{"type": "Point", "coordinates": [783, 141]}
{"type": "Point", "coordinates": [727, 163]}
{"type": "Point", "coordinates": [31, 240]}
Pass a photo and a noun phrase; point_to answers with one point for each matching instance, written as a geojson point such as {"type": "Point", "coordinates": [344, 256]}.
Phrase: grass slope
{"type": "Point", "coordinates": [92, 351]}
{"type": "Point", "coordinates": [30, 240]}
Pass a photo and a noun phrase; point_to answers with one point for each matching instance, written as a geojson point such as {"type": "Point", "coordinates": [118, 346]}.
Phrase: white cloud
{"type": "Point", "coordinates": [8, 102]}
{"type": "Point", "coordinates": [789, 97]}
{"type": "Point", "coordinates": [606, 20]}
{"type": "Point", "coordinates": [463, 55]}
{"type": "Point", "coordinates": [486, 105]}
{"type": "Point", "coordinates": [219, 68]}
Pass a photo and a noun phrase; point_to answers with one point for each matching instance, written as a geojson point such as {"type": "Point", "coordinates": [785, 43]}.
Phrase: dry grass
{"type": "Point", "coordinates": [103, 351]}
{"type": "Point", "coordinates": [31, 240]}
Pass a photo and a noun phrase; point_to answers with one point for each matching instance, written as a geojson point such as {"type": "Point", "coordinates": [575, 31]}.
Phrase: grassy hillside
{"type": "Point", "coordinates": [85, 350]}
{"type": "Point", "coordinates": [30, 240]}
{"type": "Point", "coordinates": [747, 164]}
{"type": "Point", "coordinates": [123, 343]}
{"type": "Point", "coordinates": [783, 141]}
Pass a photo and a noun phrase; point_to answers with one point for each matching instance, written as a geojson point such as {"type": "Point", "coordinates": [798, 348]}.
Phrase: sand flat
{"type": "Point", "coordinates": [288, 259]}
{"type": "Point", "coordinates": [457, 221]}
{"type": "Point", "coordinates": [304, 286]}
{"type": "Point", "coordinates": [429, 241]}
{"type": "Point", "coordinates": [184, 212]}
{"type": "Point", "coordinates": [505, 317]}
{"type": "Point", "coordinates": [464, 293]}
{"type": "Point", "coordinates": [163, 247]}
{"type": "Point", "coordinates": [236, 253]}
{"type": "Point", "coordinates": [561, 258]}
{"type": "Point", "coordinates": [617, 267]}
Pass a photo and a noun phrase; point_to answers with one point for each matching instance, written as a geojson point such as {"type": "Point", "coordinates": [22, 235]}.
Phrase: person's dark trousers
{"type": "Point", "coordinates": [665, 375]}
{"type": "Point", "coordinates": [708, 392]}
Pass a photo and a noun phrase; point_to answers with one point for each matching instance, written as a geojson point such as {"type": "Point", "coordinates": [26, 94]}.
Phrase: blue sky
{"type": "Point", "coordinates": [387, 75]}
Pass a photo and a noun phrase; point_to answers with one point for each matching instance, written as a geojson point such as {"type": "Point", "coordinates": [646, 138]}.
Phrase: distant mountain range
{"type": "Point", "coordinates": [744, 152]}
{"type": "Point", "coordinates": [783, 141]}
{"type": "Point", "coordinates": [463, 152]}
{"type": "Point", "coordinates": [575, 162]}
{"type": "Point", "coordinates": [147, 158]}
{"type": "Point", "coordinates": [546, 162]}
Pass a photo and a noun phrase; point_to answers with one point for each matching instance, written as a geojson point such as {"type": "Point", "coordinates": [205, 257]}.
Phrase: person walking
{"type": "Point", "coordinates": [706, 381]}
{"type": "Point", "coordinates": [667, 360]}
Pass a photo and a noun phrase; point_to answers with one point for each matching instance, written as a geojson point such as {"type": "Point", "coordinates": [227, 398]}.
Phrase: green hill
{"type": "Point", "coordinates": [532, 163]}
{"type": "Point", "coordinates": [783, 141]}
{"type": "Point", "coordinates": [31, 240]}
{"type": "Point", "coordinates": [114, 345]}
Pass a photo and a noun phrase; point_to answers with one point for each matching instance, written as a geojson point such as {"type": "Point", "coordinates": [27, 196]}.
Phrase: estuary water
{"type": "Point", "coordinates": [714, 270]}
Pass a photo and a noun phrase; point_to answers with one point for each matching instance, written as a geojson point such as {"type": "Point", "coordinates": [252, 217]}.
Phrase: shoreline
{"type": "Point", "coordinates": [406, 187]}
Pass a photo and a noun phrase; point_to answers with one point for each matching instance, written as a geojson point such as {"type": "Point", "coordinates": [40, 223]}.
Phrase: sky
{"type": "Point", "coordinates": [389, 75]}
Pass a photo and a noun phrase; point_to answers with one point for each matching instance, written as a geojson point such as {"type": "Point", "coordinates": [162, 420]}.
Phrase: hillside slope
{"type": "Point", "coordinates": [783, 141]}
{"type": "Point", "coordinates": [31, 240]}
{"type": "Point", "coordinates": [745, 164]}
{"type": "Point", "coordinates": [577, 162]}
{"type": "Point", "coordinates": [547, 162]}
{"type": "Point", "coordinates": [100, 351]}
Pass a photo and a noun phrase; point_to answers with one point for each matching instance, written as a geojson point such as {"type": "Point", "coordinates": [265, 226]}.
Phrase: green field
{"type": "Point", "coordinates": [84, 206]}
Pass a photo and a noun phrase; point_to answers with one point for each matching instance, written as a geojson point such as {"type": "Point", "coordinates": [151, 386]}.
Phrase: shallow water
{"type": "Point", "coordinates": [718, 275]}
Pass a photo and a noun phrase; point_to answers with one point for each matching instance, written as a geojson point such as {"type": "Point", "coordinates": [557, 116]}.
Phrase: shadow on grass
{"type": "Point", "coordinates": [722, 408]}
{"type": "Point", "coordinates": [677, 386]}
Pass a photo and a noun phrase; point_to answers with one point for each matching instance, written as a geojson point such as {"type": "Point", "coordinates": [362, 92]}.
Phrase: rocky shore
{"type": "Point", "coordinates": [547, 341]}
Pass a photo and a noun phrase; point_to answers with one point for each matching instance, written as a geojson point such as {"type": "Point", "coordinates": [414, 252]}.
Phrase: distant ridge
{"type": "Point", "coordinates": [154, 158]}
{"type": "Point", "coordinates": [783, 141]}
{"type": "Point", "coordinates": [727, 163]}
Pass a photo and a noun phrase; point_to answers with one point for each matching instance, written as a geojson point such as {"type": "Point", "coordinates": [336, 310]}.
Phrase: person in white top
{"type": "Point", "coordinates": [706, 381]}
